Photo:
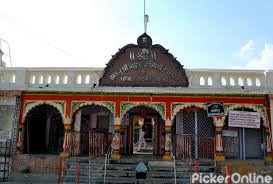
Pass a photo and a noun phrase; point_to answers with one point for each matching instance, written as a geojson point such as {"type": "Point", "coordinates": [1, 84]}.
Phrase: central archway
{"type": "Point", "coordinates": [142, 129]}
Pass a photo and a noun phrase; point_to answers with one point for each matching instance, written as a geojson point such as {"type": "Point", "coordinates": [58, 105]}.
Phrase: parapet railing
{"type": "Point", "coordinates": [88, 78]}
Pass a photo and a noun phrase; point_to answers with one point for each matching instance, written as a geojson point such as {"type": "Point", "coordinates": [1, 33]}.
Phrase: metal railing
{"type": "Point", "coordinates": [184, 147]}
{"type": "Point", "coordinates": [78, 171]}
{"type": "Point", "coordinates": [5, 154]}
{"type": "Point", "coordinates": [98, 143]}
{"type": "Point", "coordinates": [92, 143]}
{"type": "Point", "coordinates": [60, 170]}
{"type": "Point", "coordinates": [206, 147]}
{"type": "Point", "coordinates": [174, 167]}
{"type": "Point", "coordinates": [106, 161]}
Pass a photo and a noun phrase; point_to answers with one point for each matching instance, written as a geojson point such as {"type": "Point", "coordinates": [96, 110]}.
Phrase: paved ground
{"type": "Point", "coordinates": [32, 179]}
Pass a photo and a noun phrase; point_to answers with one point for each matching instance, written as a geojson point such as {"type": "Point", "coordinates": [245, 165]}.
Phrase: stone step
{"type": "Point", "coordinates": [123, 170]}
{"type": "Point", "coordinates": [131, 174]}
{"type": "Point", "coordinates": [32, 179]}
{"type": "Point", "coordinates": [120, 180]}
{"type": "Point", "coordinates": [129, 166]}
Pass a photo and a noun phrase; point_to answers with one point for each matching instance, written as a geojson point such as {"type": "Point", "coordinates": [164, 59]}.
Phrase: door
{"type": "Point", "coordinates": [149, 143]}
{"type": "Point", "coordinates": [246, 144]}
{"type": "Point", "coordinates": [201, 129]}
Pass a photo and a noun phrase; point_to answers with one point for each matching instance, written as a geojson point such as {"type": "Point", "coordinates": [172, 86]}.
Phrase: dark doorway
{"type": "Point", "coordinates": [44, 131]}
{"type": "Point", "coordinates": [91, 118]}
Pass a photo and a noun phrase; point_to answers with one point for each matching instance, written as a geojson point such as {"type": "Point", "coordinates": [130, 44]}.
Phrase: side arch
{"type": "Point", "coordinates": [176, 107]}
{"type": "Point", "coordinates": [260, 109]}
{"type": "Point", "coordinates": [76, 105]}
{"type": "Point", "coordinates": [159, 107]}
{"type": "Point", "coordinates": [29, 105]}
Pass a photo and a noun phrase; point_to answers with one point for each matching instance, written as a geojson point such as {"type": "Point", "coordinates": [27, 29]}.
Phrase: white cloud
{"type": "Point", "coordinates": [247, 48]}
{"type": "Point", "coordinates": [265, 59]}
{"type": "Point", "coordinates": [254, 58]}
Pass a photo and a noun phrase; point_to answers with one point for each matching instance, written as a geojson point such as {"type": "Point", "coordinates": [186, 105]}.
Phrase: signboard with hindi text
{"type": "Point", "coordinates": [244, 119]}
{"type": "Point", "coordinates": [215, 109]}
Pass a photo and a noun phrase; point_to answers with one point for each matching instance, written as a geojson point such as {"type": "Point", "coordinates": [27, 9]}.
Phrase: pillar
{"type": "Point", "coordinates": [67, 138]}
{"type": "Point", "coordinates": [269, 130]}
{"type": "Point", "coordinates": [19, 140]}
{"type": "Point", "coordinates": [116, 140]}
{"type": "Point", "coordinates": [168, 140]}
{"type": "Point", "coordinates": [76, 142]}
{"type": "Point", "coordinates": [268, 145]}
{"type": "Point", "coordinates": [219, 123]}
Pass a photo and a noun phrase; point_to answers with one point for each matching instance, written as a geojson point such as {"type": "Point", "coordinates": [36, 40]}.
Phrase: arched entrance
{"type": "Point", "coordinates": [43, 130]}
{"type": "Point", "coordinates": [193, 134]}
{"type": "Point", "coordinates": [244, 143]}
{"type": "Point", "coordinates": [91, 119]}
{"type": "Point", "coordinates": [142, 131]}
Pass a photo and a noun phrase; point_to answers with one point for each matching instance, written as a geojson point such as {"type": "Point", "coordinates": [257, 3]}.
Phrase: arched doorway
{"type": "Point", "coordinates": [193, 134]}
{"type": "Point", "coordinates": [243, 143]}
{"type": "Point", "coordinates": [43, 130]}
{"type": "Point", "coordinates": [142, 131]}
{"type": "Point", "coordinates": [92, 119]}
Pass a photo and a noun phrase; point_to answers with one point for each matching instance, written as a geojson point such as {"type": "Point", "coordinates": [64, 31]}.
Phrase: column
{"type": "Point", "coordinates": [76, 141]}
{"type": "Point", "coordinates": [269, 129]}
{"type": "Point", "coordinates": [268, 145]}
{"type": "Point", "coordinates": [116, 140]}
{"type": "Point", "coordinates": [168, 140]}
{"type": "Point", "coordinates": [219, 123]}
{"type": "Point", "coordinates": [67, 138]}
{"type": "Point", "coordinates": [19, 140]}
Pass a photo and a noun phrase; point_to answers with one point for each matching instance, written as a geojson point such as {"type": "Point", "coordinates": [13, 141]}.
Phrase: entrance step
{"type": "Point", "coordinates": [123, 170]}
{"type": "Point", "coordinates": [31, 179]}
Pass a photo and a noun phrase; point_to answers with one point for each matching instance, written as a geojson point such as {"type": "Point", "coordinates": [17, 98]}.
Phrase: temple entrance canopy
{"type": "Point", "coordinates": [144, 65]}
{"type": "Point", "coordinates": [141, 131]}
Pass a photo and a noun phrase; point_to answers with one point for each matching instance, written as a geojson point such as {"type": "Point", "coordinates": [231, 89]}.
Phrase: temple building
{"type": "Point", "coordinates": [143, 102]}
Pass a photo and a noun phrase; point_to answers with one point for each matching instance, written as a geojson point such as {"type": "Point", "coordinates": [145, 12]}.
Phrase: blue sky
{"type": "Point", "coordinates": [84, 33]}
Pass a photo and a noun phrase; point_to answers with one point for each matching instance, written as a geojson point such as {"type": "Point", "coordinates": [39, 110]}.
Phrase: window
{"type": "Point", "coordinates": [223, 81]}
{"type": "Point", "coordinates": [232, 82]}
{"type": "Point", "coordinates": [202, 81]}
{"type": "Point", "coordinates": [209, 81]}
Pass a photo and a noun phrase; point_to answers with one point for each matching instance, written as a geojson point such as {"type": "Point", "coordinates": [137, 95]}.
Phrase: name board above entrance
{"type": "Point", "coordinates": [215, 109]}
{"type": "Point", "coordinates": [144, 65]}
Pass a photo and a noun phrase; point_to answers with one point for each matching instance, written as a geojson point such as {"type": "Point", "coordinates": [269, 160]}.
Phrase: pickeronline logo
{"type": "Point", "coordinates": [251, 178]}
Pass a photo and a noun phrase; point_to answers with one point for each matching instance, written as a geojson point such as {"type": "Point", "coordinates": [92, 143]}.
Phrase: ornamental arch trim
{"type": "Point", "coordinates": [176, 107]}
{"type": "Point", "coordinates": [257, 108]}
{"type": "Point", "coordinates": [159, 107]}
{"type": "Point", "coordinates": [76, 105]}
{"type": "Point", "coordinates": [29, 105]}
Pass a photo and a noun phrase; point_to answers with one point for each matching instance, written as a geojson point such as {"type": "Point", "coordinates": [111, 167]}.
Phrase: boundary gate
{"type": "Point", "coordinates": [5, 154]}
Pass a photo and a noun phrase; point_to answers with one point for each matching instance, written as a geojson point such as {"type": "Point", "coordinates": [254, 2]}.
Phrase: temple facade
{"type": "Point", "coordinates": [143, 102]}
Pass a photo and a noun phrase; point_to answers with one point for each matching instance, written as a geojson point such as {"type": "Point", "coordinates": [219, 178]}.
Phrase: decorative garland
{"type": "Point", "coordinates": [78, 104]}
{"type": "Point", "coordinates": [159, 107]}
{"type": "Point", "coordinates": [29, 105]}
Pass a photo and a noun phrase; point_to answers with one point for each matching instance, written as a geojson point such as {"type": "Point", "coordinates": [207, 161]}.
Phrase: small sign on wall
{"type": "Point", "coordinates": [244, 119]}
{"type": "Point", "coordinates": [215, 109]}
{"type": "Point", "coordinates": [230, 133]}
